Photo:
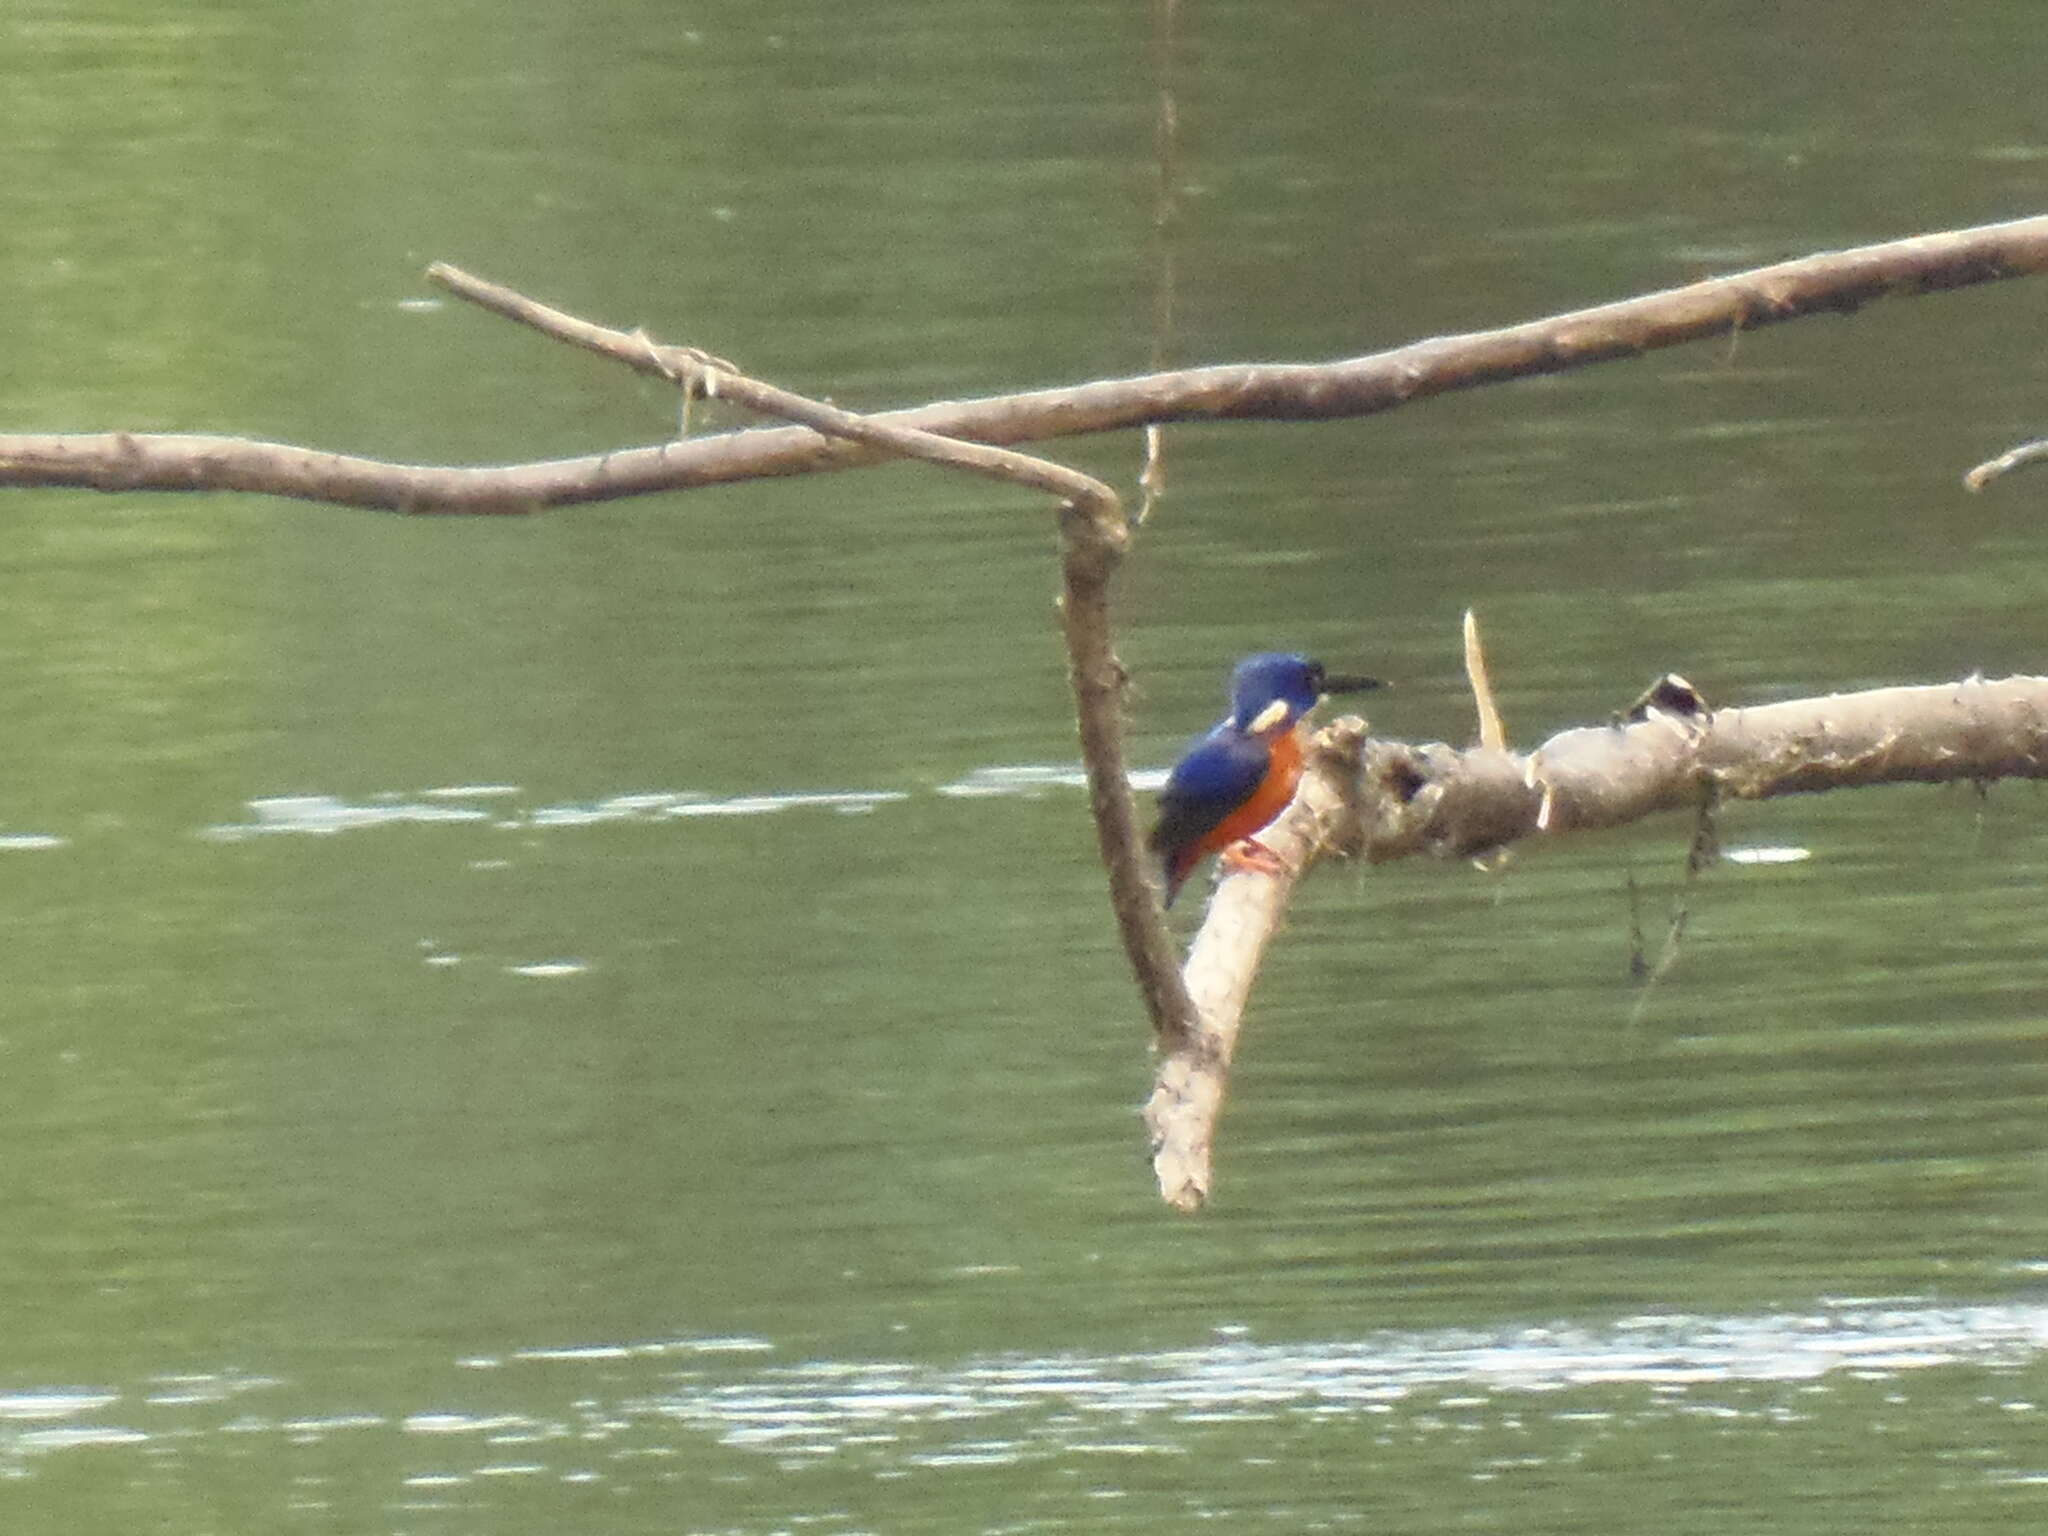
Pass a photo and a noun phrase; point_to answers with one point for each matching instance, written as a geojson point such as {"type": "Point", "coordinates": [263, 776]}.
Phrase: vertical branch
{"type": "Point", "coordinates": [1245, 914]}
{"type": "Point", "coordinates": [1093, 538]}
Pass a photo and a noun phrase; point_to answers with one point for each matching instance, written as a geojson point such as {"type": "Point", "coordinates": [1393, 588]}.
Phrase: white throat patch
{"type": "Point", "coordinates": [1268, 717]}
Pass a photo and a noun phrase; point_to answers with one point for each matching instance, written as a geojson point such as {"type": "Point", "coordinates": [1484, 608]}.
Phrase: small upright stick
{"type": "Point", "coordinates": [1493, 732]}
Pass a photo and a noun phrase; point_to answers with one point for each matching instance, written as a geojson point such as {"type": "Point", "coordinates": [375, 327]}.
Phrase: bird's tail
{"type": "Point", "coordinates": [1177, 865]}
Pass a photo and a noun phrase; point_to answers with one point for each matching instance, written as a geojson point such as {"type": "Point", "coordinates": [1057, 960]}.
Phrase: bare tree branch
{"type": "Point", "coordinates": [1426, 797]}
{"type": "Point", "coordinates": [1093, 539]}
{"type": "Point", "coordinates": [1432, 799]}
{"type": "Point", "coordinates": [1834, 282]}
{"type": "Point", "coordinates": [1223, 962]}
{"type": "Point", "coordinates": [1386, 800]}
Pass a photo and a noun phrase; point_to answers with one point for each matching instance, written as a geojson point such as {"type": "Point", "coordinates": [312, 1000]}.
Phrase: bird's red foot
{"type": "Point", "coordinates": [1251, 854]}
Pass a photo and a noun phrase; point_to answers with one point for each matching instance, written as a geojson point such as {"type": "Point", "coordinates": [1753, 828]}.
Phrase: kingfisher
{"type": "Point", "coordinates": [1233, 781]}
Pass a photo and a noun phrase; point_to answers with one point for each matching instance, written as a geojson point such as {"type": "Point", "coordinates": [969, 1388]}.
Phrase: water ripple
{"type": "Point", "coordinates": [565, 1411]}
{"type": "Point", "coordinates": [819, 1407]}
{"type": "Point", "coordinates": [55, 1403]}
{"type": "Point", "coordinates": [322, 815]}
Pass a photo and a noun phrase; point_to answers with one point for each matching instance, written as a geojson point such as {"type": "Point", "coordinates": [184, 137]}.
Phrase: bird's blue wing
{"type": "Point", "coordinates": [1217, 775]}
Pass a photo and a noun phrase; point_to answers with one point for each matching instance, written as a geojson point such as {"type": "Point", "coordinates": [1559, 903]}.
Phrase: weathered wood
{"type": "Point", "coordinates": [1836, 282]}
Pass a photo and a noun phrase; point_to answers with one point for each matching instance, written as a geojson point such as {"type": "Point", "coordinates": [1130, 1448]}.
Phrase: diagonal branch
{"type": "Point", "coordinates": [699, 373]}
{"type": "Point", "coordinates": [1830, 283]}
{"type": "Point", "coordinates": [1245, 913]}
{"type": "Point", "coordinates": [1093, 538]}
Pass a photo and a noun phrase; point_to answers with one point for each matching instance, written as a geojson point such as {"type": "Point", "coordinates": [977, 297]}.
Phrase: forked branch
{"type": "Point", "coordinates": [1093, 538]}
{"type": "Point", "coordinates": [1835, 282]}
{"type": "Point", "coordinates": [1463, 802]}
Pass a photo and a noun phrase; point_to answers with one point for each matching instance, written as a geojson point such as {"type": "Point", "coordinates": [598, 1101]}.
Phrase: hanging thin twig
{"type": "Point", "coordinates": [1165, 215]}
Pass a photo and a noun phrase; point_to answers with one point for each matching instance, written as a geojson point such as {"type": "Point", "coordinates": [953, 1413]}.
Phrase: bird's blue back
{"type": "Point", "coordinates": [1216, 775]}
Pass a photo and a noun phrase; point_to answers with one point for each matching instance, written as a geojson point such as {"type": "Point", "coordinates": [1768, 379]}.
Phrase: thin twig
{"type": "Point", "coordinates": [1165, 214]}
{"type": "Point", "coordinates": [699, 372]}
{"type": "Point", "coordinates": [1638, 947]}
{"type": "Point", "coordinates": [1493, 731]}
{"type": "Point", "coordinates": [1700, 854]}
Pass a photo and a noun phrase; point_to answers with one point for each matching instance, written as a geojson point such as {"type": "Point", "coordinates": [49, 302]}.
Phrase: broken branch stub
{"type": "Point", "coordinates": [2034, 452]}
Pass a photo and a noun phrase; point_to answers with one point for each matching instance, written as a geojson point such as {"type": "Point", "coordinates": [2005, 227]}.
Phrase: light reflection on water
{"type": "Point", "coordinates": [1007, 1409]}
{"type": "Point", "coordinates": [805, 1067]}
{"type": "Point", "coordinates": [323, 815]}
{"type": "Point", "coordinates": [30, 841]}
{"type": "Point", "coordinates": [821, 1408]}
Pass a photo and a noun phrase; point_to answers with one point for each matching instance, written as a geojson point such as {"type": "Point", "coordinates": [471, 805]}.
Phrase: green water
{"type": "Point", "coordinates": [610, 1023]}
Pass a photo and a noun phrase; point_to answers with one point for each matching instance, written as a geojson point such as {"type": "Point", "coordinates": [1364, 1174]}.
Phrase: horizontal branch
{"type": "Point", "coordinates": [1387, 800]}
{"type": "Point", "coordinates": [1438, 799]}
{"type": "Point", "coordinates": [1833, 282]}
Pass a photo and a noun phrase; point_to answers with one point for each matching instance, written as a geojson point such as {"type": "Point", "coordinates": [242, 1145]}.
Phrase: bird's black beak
{"type": "Point", "coordinates": [1350, 682]}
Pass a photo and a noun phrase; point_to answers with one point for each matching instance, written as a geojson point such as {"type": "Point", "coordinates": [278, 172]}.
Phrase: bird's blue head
{"type": "Point", "coordinates": [1271, 691]}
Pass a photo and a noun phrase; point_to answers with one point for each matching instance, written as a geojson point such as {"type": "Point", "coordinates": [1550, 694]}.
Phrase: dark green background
{"type": "Point", "coordinates": [800, 1188]}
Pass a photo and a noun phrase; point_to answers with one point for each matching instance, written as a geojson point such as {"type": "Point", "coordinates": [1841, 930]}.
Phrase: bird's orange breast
{"type": "Point", "coordinates": [1283, 774]}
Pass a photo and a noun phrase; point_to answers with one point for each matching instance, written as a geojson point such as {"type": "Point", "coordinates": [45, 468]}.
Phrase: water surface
{"type": "Point", "coordinates": [609, 1021]}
